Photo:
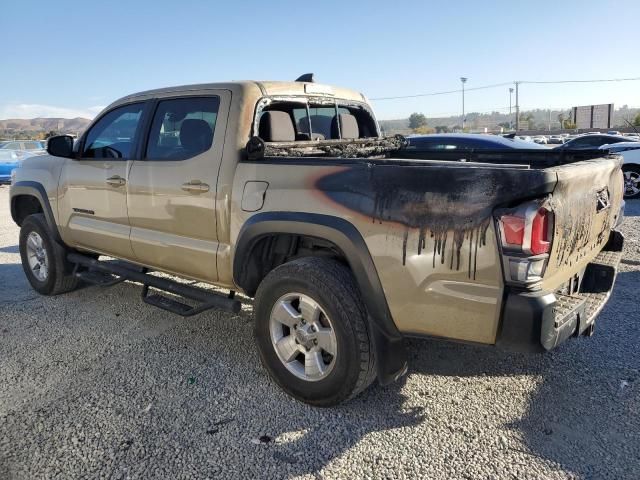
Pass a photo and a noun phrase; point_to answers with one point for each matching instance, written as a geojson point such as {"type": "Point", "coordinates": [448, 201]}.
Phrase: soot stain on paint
{"type": "Point", "coordinates": [451, 205]}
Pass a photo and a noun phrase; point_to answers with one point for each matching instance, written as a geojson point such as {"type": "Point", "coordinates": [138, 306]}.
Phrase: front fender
{"type": "Point", "coordinates": [36, 190]}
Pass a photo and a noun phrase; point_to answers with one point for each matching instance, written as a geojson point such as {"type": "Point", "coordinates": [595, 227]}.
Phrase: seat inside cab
{"type": "Point", "coordinates": [290, 122]}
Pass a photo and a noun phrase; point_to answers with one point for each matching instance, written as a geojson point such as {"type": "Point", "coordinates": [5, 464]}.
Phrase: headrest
{"type": "Point", "coordinates": [276, 126]}
{"type": "Point", "coordinates": [348, 126]}
{"type": "Point", "coordinates": [195, 134]}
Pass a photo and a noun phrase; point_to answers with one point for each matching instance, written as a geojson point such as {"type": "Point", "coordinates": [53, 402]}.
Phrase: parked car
{"type": "Point", "coordinates": [8, 161]}
{"type": "Point", "coordinates": [556, 139]}
{"type": "Point", "coordinates": [348, 245]}
{"type": "Point", "coordinates": [25, 148]}
{"type": "Point", "coordinates": [633, 136]}
{"type": "Point", "coordinates": [540, 139]}
{"type": "Point", "coordinates": [591, 141]}
{"type": "Point", "coordinates": [525, 138]}
{"type": "Point", "coordinates": [630, 151]}
{"type": "Point", "coordinates": [466, 141]}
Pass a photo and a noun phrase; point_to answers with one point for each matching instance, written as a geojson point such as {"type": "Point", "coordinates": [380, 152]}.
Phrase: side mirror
{"type": "Point", "coordinates": [60, 146]}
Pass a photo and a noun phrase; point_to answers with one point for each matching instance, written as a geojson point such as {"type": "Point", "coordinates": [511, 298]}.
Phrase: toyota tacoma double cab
{"type": "Point", "coordinates": [348, 241]}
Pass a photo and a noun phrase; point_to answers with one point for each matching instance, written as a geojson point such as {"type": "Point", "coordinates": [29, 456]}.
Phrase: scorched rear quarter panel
{"type": "Point", "coordinates": [428, 228]}
{"type": "Point", "coordinates": [434, 243]}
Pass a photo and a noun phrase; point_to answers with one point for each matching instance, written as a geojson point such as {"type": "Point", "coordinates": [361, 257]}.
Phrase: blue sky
{"type": "Point", "coordinates": [70, 58]}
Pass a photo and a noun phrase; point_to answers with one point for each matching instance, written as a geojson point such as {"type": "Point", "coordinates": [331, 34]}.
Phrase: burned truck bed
{"type": "Point", "coordinates": [533, 158]}
{"type": "Point", "coordinates": [395, 148]}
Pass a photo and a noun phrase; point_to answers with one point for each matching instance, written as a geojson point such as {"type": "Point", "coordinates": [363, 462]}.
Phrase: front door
{"type": "Point", "coordinates": [172, 189]}
{"type": "Point", "coordinates": [93, 187]}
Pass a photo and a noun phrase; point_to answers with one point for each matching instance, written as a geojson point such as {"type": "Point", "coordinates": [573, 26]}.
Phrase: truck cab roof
{"type": "Point", "coordinates": [253, 88]}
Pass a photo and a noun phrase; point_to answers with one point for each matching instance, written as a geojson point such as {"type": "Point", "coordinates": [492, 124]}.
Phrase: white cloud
{"type": "Point", "coordinates": [33, 110]}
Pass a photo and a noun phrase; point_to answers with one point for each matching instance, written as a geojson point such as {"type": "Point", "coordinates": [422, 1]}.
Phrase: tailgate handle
{"type": "Point", "coordinates": [195, 186]}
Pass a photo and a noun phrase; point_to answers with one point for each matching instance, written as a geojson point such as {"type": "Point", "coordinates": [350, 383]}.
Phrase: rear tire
{"type": "Point", "coordinates": [44, 260]}
{"type": "Point", "coordinates": [631, 175]}
{"type": "Point", "coordinates": [312, 333]}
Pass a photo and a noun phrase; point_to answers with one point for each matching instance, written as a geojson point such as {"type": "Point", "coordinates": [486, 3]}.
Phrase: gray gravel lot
{"type": "Point", "coordinates": [97, 384]}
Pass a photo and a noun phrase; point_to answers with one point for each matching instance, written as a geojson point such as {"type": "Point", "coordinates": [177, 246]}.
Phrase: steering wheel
{"type": "Point", "coordinates": [112, 152]}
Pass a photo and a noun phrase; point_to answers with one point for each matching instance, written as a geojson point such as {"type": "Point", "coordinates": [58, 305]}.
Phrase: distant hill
{"type": "Point", "coordinates": [35, 127]}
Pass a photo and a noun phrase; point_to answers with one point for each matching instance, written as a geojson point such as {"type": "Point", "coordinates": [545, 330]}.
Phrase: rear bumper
{"type": "Point", "coordinates": [540, 321]}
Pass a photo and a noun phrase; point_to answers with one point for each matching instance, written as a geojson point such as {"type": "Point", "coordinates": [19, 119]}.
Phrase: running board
{"type": "Point", "coordinates": [112, 273]}
{"type": "Point", "coordinates": [102, 279]}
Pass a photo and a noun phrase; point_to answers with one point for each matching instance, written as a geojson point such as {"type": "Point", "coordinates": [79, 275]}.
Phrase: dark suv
{"type": "Point", "coordinates": [586, 142]}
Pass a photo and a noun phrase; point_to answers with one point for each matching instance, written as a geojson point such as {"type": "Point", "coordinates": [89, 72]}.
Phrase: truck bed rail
{"type": "Point", "coordinates": [257, 148]}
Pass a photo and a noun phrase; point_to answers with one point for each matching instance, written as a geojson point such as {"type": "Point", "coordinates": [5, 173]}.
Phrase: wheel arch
{"type": "Point", "coordinates": [347, 240]}
{"type": "Point", "coordinates": [29, 197]}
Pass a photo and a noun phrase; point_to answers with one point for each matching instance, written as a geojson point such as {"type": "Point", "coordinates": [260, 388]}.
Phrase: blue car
{"type": "Point", "coordinates": [8, 161]}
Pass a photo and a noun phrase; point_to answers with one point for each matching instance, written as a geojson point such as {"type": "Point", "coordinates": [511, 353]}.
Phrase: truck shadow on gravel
{"type": "Point", "coordinates": [584, 415]}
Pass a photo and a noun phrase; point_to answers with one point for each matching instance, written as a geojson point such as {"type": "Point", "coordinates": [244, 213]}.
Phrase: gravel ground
{"type": "Point", "coordinates": [97, 384]}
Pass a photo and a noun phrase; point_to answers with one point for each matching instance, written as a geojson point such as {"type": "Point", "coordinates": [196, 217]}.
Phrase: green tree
{"type": "Point", "coordinates": [636, 121]}
{"type": "Point", "coordinates": [442, 129]}
{"type": "Point", "coordinates": [417, 120]}
{"type": "Point", "coordinates": [424, 129]}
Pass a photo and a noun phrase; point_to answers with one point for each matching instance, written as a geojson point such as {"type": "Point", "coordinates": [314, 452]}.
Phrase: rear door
{"type": "Point", "coordinates": [172, 189]}
{"type": "Point", "coordinates": [93, 187]}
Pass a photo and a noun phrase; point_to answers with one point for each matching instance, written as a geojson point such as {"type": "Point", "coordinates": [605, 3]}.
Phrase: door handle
{"type": "Point", "coordinates": [195, 186]}
{"type": "Point", "coordinates": [116, 181]}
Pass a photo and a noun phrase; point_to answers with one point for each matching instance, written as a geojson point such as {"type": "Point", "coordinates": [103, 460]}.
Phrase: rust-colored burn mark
{"type": "Point", "coordinates": [450, 204]}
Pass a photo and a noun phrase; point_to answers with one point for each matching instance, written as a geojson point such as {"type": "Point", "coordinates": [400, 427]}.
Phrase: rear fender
{"type": "Point", "coordinates": [388, 341]}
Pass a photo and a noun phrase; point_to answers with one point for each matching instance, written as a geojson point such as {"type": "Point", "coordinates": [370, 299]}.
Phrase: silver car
{"type": "Point", "coordinates": [25, 148]}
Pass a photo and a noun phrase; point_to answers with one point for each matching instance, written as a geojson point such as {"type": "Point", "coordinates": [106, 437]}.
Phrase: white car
{"type": "Point", "coordinates": [630, 152]}
{"type": "Point", "coordinates": [541, 139]}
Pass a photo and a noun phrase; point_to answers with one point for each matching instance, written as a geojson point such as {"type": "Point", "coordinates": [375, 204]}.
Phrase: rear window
{"type": "Point", "coordinates": [318, 121]}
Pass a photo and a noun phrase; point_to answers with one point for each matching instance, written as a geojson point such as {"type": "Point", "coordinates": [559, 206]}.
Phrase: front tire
{"type": "Point", "coordinates": [312, 333]}
{"type": "Point", "coordinates": [631, 174]}
{"type": "Point", "coordinates": [44, 260]}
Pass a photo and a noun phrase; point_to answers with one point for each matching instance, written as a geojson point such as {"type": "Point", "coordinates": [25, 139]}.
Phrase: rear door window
{"type": "Point", "coordinates": [182, 128]}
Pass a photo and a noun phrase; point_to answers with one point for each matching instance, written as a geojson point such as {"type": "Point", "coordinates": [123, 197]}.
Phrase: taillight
{"type": "Point", "coordinates": [526, 234]}
{"type": "Point", "coordinates": [526, 229]}
{"type": "Point", "coordinates": [513, 228]}
{"type": "Point", "coordinates": [540, 241]}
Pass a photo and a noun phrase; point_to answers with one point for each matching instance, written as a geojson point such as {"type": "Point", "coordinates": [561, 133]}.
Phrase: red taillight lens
{"type": "Point", "coordinates": [513, 228]}
{"type": "Point", "coordinates": [540, 232]}
{"type": "Point", "coordinates": [527, 230]}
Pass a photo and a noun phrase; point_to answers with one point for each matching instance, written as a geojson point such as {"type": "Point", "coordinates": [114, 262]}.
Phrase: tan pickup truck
{"type": "Point", "coordinates": [348, 241]}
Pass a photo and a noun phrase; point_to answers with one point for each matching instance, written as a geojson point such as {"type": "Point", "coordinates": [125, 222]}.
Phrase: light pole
{"type": "Point", "coordinates": [510, 119]}
{"type": "Point", "coordinates": [463, 80]}
{"type": "Point", "coordinates": [517, 107]}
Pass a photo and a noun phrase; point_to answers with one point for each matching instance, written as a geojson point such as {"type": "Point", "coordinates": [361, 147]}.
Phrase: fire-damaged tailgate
{"type": "Point", "coordinates": [581, 266]}
{"type": "Point", "coordinates": [586, 203]}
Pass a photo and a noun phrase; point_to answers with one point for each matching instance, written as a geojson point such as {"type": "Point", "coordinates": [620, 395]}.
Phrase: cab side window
{"type": "Point", "coordinates": [182, 128]}
{"type": "Point", "coordinates": [114, 134]}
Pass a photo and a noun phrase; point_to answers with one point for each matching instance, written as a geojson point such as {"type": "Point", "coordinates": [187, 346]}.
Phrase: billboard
{"type": "Point", "coordinates": [593, 116]}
